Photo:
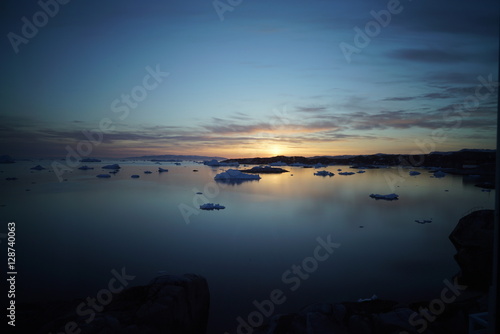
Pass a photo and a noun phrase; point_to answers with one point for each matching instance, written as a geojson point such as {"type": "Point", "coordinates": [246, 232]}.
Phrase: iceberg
{"type": "Point", "coordinates": [161, 170]}
{"type": "Point", "coordinates": [347, 173]}
{"type": "Point", "coordinates": [147, 172]}
{"type": "Point", "coordinates": [234, 174]}
{"type": "Point", "coordinates": [439, 174]}
{"type": "Point", "coordinates": [389, 197]}
{"type": "Point", "coordinates": [215, 163]}
{"type": "Point", "coordinates": [414, 173]}
{"type": "Point", "coordinates": [104, 176]}
{"type": "Point", "coordinates": [319, 165]}
{"type": "Point", "coordinates": [85, 168]}
{"type": "Point", "coordinates": [361, 171]}
{"type": "Point", "coordinates": [135, 176]}
{"type": "Point", "coordinates": [277, 164]}
{"type": "Point", "coordinates": [424, 221]}
{"type": "Point", "coordinates": [297, 164]}
{"type": "Point", "coordinates": [113, 166]}
{"type": "Point", "coordinates": [211, 206]}
{"type": "Point", "coordinates": [38, 167]}
{"type": "Point", "coordinates": [324, 173]}
{"type": "Point", "coordinates": [265, 169]}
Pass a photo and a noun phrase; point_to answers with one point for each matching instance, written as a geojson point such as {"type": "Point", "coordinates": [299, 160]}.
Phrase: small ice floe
{"type": "Point", "coordinates": [161, 170]}
{"type": "Point", "coordinates": [389, 197]}
{"type": "Point", "coordinates": [85, 168]}
{"type": "Point", "coordinates": [114, 171]}
{"type": "Point", "coordinates": [11, 178]}
{"type": "Point", "coordinates": [347, 173]}
{"type": "Point", "coordinates": [339, 170]}
{"type": "Point", "coordinates": [211, 206]}
{"type": "Point", "coordinates": [195, 170]}
{"type": "Point", "coordinates": [374, 297]}
{"type": "Point", "coordinates": [135, 176]}
{"type": "Point", "coordinates": [423, 221]}
{"type": "Point", "coordinates": [199, 193]}
{"type": "Point", "coordinates": [38, 167]}
{"type": "Point", "coordinates": [147, 172]}
{"type": "Point", "coordinates": [113, 166]}
{"type": "Point", "coordinates": [104, 176]}
{"type": "Point", "coordinates": [234, 174]}
{"type": "Point", "coordinates": [439, 174]}
{"type": "Point", "coordinates": [361, 171]}
{"type": "Point", "coordinates": [90, 160]}
{"type": "Point", "coordinates": [324, 173]}
{"type": "Point", "coordinates": [177, 163]}
{"type": "Point", "coordinates": [414, 173]}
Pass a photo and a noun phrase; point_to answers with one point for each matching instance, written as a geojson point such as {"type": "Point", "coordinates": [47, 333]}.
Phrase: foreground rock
{"type": "Point", "coordinates": [168, 304]}
{"type": "Point", "coordinates": [473, 240]}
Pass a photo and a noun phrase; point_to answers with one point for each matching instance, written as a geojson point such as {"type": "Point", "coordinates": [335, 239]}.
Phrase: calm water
{"type": "Point", "coordinates": [71, 234]}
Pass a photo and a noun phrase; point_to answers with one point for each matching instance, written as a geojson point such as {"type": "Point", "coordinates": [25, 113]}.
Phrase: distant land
{"type": "Point", "coordinates": [171, 157]}
{"type": "Point", "coordinates": [481, 161]}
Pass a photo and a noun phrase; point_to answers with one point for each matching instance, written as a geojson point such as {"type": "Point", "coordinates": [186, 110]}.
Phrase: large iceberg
{"type": "Point", "coordinates": [389, 197]}
{"type": "Point", "coordinates": [324, 173]}
{"type": "Point", "coordinates": [234, 174]}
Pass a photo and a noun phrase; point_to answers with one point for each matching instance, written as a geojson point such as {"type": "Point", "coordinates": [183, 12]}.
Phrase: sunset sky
{"type": "Point", "coordinates": [261, 78]}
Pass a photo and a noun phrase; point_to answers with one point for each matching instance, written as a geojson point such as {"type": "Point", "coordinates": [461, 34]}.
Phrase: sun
{"type": "Point", "coordinates": [275, 150]}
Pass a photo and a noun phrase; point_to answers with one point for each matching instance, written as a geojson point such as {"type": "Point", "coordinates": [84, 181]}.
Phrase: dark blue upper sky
{"type": "Point", "coordinates": [255, 78]}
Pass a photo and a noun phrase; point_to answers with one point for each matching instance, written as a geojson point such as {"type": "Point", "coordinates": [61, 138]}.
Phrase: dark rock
{"type": "Point", "coordinates": [168, 304]}
{"type": "Point", "coordinates": [473, 240]}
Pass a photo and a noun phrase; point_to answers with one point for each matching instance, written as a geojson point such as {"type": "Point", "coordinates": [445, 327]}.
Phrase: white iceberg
{"type": "Point", "coordinates": [104, 176]}
{"type": "Point", "coordinates": [234, 174]}
{"type": "Point", "coordinates": [389, 197]}
{"type": "Point", "coordinates": [211, 206]}
{"type": "Point", "coordinates": [414, 173]}
{"type": "Point", "coordinates": [113, 166]}
{"type": "Point", "coordinates": [324, 173]}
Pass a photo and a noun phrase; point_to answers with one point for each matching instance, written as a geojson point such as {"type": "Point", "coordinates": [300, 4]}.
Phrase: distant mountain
{"type": "Point", "coordinates": [175, 157]}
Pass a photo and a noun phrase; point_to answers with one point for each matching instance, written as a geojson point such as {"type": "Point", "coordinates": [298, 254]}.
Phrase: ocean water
{"type": "Point", "coordinates": [71, 234]}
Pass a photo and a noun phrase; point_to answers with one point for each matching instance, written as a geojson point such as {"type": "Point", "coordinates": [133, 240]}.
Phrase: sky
{"type": "Point", "coordinates": [241, 78]}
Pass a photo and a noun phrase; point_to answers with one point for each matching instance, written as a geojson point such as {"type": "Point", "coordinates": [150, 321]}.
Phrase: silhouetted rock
{"type": "Point", "coordinates": [168, 304]}
{"type": "Point", "coordinates": [473, 240]}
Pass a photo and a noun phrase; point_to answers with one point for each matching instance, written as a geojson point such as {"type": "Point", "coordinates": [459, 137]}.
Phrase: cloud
{"type": "Point", "coordinates": [427, 55]}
